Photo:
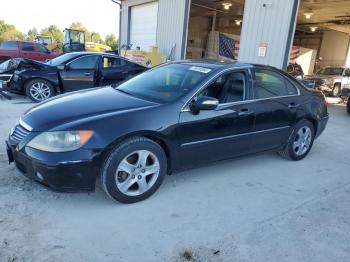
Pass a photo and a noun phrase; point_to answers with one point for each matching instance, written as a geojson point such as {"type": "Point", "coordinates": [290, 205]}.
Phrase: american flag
{"type": "Point", "coordinates": [294, 54]}
{"type": "Point", "coordinates": [229, 48]}
{"type": "Point", "coordinates": [226, 46]}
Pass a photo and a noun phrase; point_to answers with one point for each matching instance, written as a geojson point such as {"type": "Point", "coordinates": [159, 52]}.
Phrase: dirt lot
{"type": "Point", "coordinates": [259, 208]}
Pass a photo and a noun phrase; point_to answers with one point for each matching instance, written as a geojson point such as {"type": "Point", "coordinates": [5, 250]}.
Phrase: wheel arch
{"type": "Point", "coordinates": [54, 85]}
{"type": "Point", "coordinates": [152, 135]}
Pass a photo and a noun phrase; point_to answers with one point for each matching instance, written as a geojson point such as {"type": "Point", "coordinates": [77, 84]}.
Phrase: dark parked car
{"type": "Point", "coordinates": [68, 72]}
{"type": "Point", "coordinates": [170, 118]}
{"type": "Point", "coordinates": [25, 49]}
{"type": "Point", "coordinates": [331, 79]}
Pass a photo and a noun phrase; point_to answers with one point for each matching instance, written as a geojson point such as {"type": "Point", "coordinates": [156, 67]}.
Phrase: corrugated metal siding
{"type": "Point", "coordinates": [270, 24]}
{"type": "Point", "coordinates": [172, 20]}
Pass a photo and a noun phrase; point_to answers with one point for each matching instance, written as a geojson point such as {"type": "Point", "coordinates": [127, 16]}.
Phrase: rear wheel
{"type": "Point", "coordinates": [39, 90]}
{"type": "Point", "coordinates": [336, 90]}
{"type": "Point", "coordinates": [300, 141]}
{"type": "Point", "coordinates": [134, 170]}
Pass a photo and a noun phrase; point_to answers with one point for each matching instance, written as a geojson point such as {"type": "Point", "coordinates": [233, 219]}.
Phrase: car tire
{"type": "Point", "coordinates": [127, 176]}
{"type": "Point", "coordinates": [348, 105]}
{"type": "Point", "coordinates": [336, 91]}
{"type": "Point", "coordinates": [39, 90]}
{"type": "Point", "coordinates": [300, 141]}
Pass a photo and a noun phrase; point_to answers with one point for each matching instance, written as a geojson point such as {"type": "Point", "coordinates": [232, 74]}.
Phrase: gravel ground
{"type": "Point", "coordinates": [258, 208]}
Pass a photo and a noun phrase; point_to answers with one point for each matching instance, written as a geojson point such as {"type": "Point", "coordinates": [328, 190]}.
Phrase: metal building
{"type": "Point", "coordinates": [261, 31]}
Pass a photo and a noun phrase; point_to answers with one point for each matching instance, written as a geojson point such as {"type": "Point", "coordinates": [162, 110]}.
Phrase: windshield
{"type": "Point", "coordinates": [61, 59]}
{"type": "Point", "coordinates": [331, 71]}
{"type": "Point", "coordinates": [166, 83]}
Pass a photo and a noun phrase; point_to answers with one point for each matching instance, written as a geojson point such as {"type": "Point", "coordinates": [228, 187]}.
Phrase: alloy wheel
{"type": "Point", "coordinates": [40, 91]}
{"type": "Point", "coordinates": [302, 141]}
{"type": "Point", "coordinates": [137, 173]}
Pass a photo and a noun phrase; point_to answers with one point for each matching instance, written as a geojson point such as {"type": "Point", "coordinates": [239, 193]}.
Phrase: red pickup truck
{"type": "Point", "coordinates": [24, 49]}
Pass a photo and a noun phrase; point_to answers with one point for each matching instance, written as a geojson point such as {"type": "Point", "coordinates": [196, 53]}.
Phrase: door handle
{"type": "Point", "coordinates": [292, 105]}
{"type": "Point", "coordinates": [87, 74]}
{"type": "Point", "coordinates": [245, 112]}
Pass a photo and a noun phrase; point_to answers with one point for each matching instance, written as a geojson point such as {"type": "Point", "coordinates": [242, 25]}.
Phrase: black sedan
{"type": "Point", "coordinates": [174, 117]}
{"type": "Point", "coordinates": [67, 73]}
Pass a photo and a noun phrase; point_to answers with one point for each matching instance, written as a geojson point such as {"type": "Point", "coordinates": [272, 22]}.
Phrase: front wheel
{"type": "Point", "coordinates": [39, 90]}
{"type": "Point", "coordinates": [300, 141]}
{"type": "Point", "coordinates": [134, 170]}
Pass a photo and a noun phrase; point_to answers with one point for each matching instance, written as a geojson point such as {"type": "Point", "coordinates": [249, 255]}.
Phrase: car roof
{"type": "Point", "coordinates": [222, 64]}
{"type": "Point", "coordinates": [213, 63]}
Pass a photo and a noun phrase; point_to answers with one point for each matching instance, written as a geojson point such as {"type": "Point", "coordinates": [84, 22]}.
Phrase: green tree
{"type": "Point", "coordinates": [54, 32]}
{"type": "Point", "coordinates": [9, 32]}
{"type": "Point", "coordinates": [112, 41]}
{"type": "Point", "coordinates": [32, 33]}
{"type": "Point", "coordinates": [96, 37]}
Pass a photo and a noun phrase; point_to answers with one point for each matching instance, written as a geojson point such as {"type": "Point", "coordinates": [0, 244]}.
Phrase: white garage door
{"type": "Point", "coordinates": [143, 25]}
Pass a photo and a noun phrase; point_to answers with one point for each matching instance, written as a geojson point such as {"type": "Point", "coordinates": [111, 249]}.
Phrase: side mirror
{"type": "Point", "coordinates": [204, 103]}
{"type": "Point", "coordinates": [62, 67]}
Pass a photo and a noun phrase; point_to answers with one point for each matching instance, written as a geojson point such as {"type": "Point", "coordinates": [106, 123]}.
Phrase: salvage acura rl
{"type": "Point", "coordinates": [173, 117]}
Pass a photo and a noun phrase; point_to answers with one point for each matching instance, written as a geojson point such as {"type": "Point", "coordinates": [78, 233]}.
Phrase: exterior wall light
{"type": "Point", "coordinates": [308, 15]}
{"type": "Point", "coordinates": [227, 5]}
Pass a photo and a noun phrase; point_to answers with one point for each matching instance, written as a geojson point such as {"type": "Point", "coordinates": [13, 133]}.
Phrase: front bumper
{"type": "Point", "coordinates": [63, 172]}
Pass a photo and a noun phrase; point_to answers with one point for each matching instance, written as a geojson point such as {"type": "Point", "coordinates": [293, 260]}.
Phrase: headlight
{"type": "Point", "coordinates": [62, 141]}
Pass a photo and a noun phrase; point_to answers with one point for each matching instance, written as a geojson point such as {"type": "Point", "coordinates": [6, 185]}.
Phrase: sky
{"type": "Point", "coordinates": [101, 16]}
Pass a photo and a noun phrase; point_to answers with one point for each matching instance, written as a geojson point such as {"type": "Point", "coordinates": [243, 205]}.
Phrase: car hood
{"type": "Point", "coordinates": [80, 106]}
{"type": "Point", "coordinates": [20, 64]}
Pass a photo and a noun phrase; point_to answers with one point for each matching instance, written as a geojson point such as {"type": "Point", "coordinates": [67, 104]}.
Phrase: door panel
{"type": "Point", "coordinates": [80, 73]}
{"type": "Point", "coordinates": [28, 51]}
{"type": "Point", "coordinates": [113, 70]}
{"type": "Point", "coordinates": [214, 135]}
{"type": "Point", "coordinates": [273, 122]}
{"type": "Point", "coordinates": [276, 105]}
{"type": "Point", "coordinates": [77, 79]}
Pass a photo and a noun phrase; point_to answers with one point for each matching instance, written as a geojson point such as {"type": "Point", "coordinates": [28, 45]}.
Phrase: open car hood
{"type": "Point", "coordinates": [20, 64]}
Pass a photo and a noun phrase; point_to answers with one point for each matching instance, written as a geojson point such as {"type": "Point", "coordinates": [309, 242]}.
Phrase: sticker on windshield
{"type": "Point", "coordinates": [200, 69]}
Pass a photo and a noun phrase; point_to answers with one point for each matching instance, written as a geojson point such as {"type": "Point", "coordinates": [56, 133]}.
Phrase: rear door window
{"type": "Point", "coordinates": [41, 48]}
{"type": "Point", "coordinates": [112, 62]}
{"type": "Point", "coordinates": [270, 84]}
{"type": "Point", "coordinates": [8, 45]}
{"type": "Point", "coordinates": [28, 47]}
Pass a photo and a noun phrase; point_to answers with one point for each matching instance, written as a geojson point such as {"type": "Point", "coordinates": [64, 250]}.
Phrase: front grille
{"type": "Point", "coordinates": [19, 134]}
